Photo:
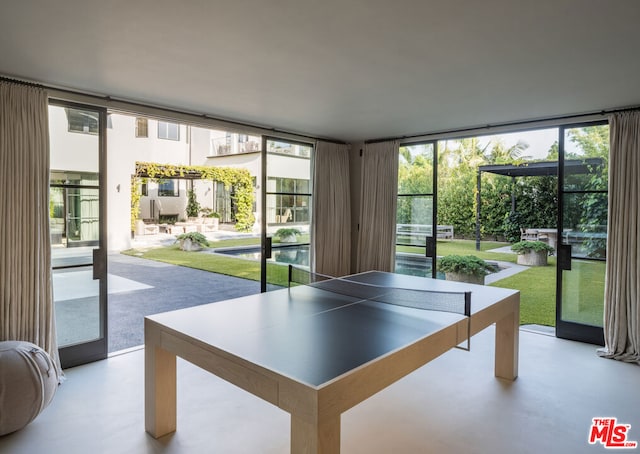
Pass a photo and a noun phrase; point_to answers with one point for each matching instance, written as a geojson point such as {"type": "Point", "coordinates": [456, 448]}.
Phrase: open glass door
{"type": "Point", "coordinates": [582, 248]}
{"type": "Point", "coordinates": [286, 209]}
{"type": "Point", "coordinates": [416, 229]}
{"type": "Point", "coordinates": [76, 211]}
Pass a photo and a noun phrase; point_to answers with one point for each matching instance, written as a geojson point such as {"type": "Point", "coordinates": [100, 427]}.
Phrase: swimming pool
{"type": "Point", "coordinates": [299, 255]}
{"type": "Point", "coordinates": [294, 255]}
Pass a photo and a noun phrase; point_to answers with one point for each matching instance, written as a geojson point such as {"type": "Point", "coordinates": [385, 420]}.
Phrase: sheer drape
{"type": "Point", "coordinates": [332, 209]}
{"type": "Point", "coordinates": [26, 306]}
{"type": "Point", "coordinates": [378, 198]}
{"type": "Point", "coordinates": [622, 307]}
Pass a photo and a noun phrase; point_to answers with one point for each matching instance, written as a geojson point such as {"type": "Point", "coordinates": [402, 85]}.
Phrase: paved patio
{"type": "Point", "coordinates": [140, 287]}
{"type": "Point", "coordinates": [137, 287]}
{"type": "Point", "coordinates": [168, 287]}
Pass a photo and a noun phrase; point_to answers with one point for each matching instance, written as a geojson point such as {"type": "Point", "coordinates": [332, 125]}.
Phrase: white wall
{"type": "Point", "coordinates": [123, 150]}
{"type": "Point", "coordinates": [71, 150]}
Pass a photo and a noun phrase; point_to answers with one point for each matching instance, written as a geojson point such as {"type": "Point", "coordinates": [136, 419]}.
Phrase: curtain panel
{"type": "Point", "coordinates": [622, 306]}
{"type": "Point", "coordinates": [26, 303]}
{"type": "Point", "coordinates": [332, 209]}
{"type": "Point", "coordinates": [378, 201]}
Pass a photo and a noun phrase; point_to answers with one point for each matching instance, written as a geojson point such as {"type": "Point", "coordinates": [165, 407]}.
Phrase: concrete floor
{"type": "Point", "coordinates": [452, 405]}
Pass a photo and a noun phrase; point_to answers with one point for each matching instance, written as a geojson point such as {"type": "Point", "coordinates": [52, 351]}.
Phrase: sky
{"type": "Point", "coordinates": [539, 141]}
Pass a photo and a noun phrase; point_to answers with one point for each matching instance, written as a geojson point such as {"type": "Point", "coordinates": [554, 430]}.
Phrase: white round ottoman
{"type": "Point", "coordinates": [28, 382]}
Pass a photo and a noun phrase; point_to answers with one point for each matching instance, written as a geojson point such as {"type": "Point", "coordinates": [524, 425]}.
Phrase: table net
{"type": "Point", "coordinates": [433, 300]}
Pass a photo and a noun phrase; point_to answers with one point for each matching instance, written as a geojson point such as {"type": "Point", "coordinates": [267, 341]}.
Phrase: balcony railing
{"type": "Point", "coordinates": [222, 146]}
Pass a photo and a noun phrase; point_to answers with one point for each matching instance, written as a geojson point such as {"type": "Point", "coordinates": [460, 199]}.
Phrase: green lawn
{"type": "Point", "coordinates": [215, 263]}
{"type": "Point", "coordinates": [583, 287]}
{"type": "Point", "coordinates": [468, 247]}
{"type": "Point", "coordinates": [583, 292]}
{"type": "Point", "coordinates": [537, 287]}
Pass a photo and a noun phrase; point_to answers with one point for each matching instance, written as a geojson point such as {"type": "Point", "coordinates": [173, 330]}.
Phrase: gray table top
{"type": "Point", "coordinates": [312, 335]}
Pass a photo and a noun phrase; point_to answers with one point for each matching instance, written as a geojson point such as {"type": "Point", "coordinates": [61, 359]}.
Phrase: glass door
{"type": "Point", "coordinates": [286, 209]}
{"type": "Point", "coordinates": [76, 211]}
{"type": "Point", "coordinates": [416, 229]}
{"type": "Point", "coordinates": [582, 248]}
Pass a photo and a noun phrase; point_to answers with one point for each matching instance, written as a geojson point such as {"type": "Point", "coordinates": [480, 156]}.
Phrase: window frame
{"type": "Point", "coordinates": [176, 188]}
{"type": "Point", "coordinates": [142, 127]}
{"type": "Point", "coordinates": [86, 123]}
{"type": "Point", "coordinates": [164, 127]}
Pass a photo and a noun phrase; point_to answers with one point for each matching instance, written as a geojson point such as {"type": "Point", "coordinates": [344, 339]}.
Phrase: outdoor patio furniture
{"type": "Point", "coordinates": [209, 225]}
{"type": "Point", "coordinates": [187, 227]}
{"type": "Point", "coordinates": [284, 217]}
{"type": "Point", "coordinates": [528, 234]}
{"type": "Point", "coordinates": [417, 232]}
{"type": "Point", "coordinates": [445, 232]}
{"type": "Point", "coordinates": [146, 229]}
{"type": "Point", "coordinates": [175, 229]}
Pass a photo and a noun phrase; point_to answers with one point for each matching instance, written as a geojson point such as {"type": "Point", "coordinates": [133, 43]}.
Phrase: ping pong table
{"type": "Point", "coordinates": [316, 354]}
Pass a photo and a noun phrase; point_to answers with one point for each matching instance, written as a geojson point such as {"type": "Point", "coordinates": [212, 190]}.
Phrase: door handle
{"type": "Point", "coordinates": [99, 264]}
{"type": "Point", "coordinates": [564, 257]}
{"type": "Point", "coordinates": [267, 247]}
{"type": "Point", "coordinates": [430, 247]}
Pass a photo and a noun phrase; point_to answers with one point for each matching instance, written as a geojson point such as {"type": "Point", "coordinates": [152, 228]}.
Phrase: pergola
{"type": "Point", "coordinates": [530, 169]}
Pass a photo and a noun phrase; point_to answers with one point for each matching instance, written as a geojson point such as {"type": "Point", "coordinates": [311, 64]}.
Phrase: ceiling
{"type": "Point", "coordinates": [348, 70]}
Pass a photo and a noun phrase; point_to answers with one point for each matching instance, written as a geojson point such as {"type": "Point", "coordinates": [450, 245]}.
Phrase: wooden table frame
{"type": "Point", "coordinates": [315, 411]}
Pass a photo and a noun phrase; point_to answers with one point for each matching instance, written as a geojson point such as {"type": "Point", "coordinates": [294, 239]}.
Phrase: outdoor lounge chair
{"type": "Point", "coordinates": [528, 235]}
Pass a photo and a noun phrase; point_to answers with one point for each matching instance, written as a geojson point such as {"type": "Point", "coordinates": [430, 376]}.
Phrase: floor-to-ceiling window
{"type": "Point", "coordinates": [547, 185]}
{"type": "Point", "coordinates": [287, 209]}
{"type": "Point", "coordinates": [416, 213]}
{"type": "Point", "coordinates": [76, 211]}
{"type": "Point", "coordinates": [583, 243]}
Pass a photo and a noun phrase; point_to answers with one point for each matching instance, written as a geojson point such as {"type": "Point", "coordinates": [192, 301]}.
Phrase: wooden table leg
{"type": "Point", "coordinates": [507, 343]}
{"type": "Point", "coordinates": [159, 385]}
{"type": "Point", "coordinates": [322, 437]}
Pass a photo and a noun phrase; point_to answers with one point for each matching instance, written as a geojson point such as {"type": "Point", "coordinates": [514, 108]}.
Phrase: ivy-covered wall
{"type": "Point", "coordinates": [239, 179]}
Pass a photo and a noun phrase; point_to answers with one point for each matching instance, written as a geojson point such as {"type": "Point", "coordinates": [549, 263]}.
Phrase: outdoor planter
{"type": "Point", "coordinates": [464, 277]}
{"type": "Point", "coordinates": [532, 253]}
{"type": "Point", "coordinates": [468, 268]}
{"type": "Point", "coordinates": [533, 258]}
{"type": "Point", "coordinates": [188, 245]}
{"type": "Point", "coordinates": [192, 241]}
{"type": "Point", "coordinates": [287, 235]}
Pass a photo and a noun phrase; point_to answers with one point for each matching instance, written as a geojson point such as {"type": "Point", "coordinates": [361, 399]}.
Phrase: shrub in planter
{"type": "Point", "coordinates": [193, 207]}
{"type": "Point", "coordinates": [207, 212]}
{"type": "Point", "coordinates": [532, 253]}
{"type": "Point", "coordinates": [192, 241]}
{"type": "Point", "coordinates": [287, 235]}
{"type": "Point", "coordinates": [467, 268]}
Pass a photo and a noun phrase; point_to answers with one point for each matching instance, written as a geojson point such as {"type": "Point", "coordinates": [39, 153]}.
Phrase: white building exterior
{"type": "Point", "coordinates": [131, 139]}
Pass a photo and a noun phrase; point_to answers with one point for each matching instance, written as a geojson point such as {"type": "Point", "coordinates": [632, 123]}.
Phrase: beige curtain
{"type": "Point", "coordinates": [26, 306]}
{"type": "Point", "coordinates": [331, 209]}
{"type": "Point", "coordinates": [379, 188]}
{"type": "Point", "coordinates": [622, 285]}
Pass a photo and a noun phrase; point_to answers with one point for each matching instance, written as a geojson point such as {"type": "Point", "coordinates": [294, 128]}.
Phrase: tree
{"type": "Point", "coordinates": [193, 207]}
{"type": "Point", "coordinates": [590, 206]}
{"type": "Point", "coordinates": [415, 179]}
{"type": "Point", "coordinates": [501, 154]}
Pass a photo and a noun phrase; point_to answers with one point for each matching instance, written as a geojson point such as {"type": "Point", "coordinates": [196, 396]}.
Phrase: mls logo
{"type": "Point", "coordinates": [611, 434]}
